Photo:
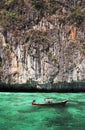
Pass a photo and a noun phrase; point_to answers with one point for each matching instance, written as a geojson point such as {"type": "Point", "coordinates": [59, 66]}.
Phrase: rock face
{"type": "Point", "coordinates": [49, 51]}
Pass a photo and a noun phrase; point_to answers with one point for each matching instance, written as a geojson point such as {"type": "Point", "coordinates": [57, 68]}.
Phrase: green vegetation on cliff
{"type": "Point", "coordinates": [15, 13]}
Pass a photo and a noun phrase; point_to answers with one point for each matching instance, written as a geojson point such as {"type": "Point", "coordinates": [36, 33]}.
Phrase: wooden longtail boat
{"type": "Point", "coordinates": [49, 103]}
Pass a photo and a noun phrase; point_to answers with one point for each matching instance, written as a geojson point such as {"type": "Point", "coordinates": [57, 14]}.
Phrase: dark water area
{"type": "Point", "coordinates": [17, 113]}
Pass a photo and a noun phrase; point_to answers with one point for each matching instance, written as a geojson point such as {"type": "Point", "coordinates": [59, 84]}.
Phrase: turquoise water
{"type": "Point", "coordinates": [17, 113]}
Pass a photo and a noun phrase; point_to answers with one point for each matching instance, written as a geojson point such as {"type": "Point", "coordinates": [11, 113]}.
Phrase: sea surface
{"type": "Point", "coordinates": [17, 113]}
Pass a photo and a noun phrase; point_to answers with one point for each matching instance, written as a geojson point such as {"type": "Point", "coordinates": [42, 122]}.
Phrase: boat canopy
{"type": "Point", "coordinates": [48, 99]}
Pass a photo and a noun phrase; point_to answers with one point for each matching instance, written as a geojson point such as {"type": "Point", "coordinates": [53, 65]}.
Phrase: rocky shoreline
{"type": "Point", "coordinates": [59, 87]}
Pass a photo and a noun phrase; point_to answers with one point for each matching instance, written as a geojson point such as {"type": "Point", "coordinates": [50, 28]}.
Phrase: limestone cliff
{"type": "Point", "coordinates": [45, 43]}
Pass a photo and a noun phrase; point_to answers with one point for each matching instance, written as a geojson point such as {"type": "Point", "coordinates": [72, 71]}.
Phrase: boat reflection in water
{"type": "Point", "coordinates": [48, 102]}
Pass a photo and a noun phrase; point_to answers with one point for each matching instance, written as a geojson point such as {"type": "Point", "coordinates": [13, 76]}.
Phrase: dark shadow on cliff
{"type": "Point", "coordinates": [33, 86]}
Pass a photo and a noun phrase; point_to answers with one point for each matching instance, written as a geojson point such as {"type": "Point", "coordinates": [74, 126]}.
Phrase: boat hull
{"type": "Point", "coordinates": [51, 104]}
